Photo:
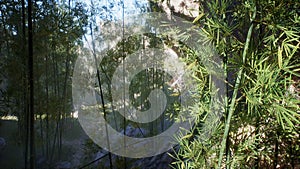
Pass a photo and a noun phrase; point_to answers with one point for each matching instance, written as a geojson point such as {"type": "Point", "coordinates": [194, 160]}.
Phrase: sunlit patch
{"type": "Point", "coordinates": [9, 117]}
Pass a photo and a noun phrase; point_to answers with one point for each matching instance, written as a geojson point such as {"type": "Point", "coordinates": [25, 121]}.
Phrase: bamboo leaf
{"type": "Point", "coordinates": [187, 136]}
{"type": "Point", "coordinates": [279, 55]}
{"type": "Point", "coordinates": [198, 17]}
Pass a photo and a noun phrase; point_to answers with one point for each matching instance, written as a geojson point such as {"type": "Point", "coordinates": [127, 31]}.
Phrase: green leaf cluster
{"type": "Point", "coordinates": [259, 44]}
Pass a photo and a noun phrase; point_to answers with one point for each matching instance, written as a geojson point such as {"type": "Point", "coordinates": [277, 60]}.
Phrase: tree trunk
{"type": "Point", "coordinates": [47, 111]}
{"type": "Point", "coordinates": [275, 162]}
{"type": "Point", "coordinates": [31, 86]}
{"type": "Point", "coordinates": [25, 99]}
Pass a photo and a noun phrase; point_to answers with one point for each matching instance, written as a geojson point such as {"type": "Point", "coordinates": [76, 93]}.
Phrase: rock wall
{"type": "Point", "coordinates": [189, 8]}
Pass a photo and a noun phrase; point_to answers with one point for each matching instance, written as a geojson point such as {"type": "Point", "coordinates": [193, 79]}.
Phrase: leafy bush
{"type": "Point", "coordinates": [259, 43]}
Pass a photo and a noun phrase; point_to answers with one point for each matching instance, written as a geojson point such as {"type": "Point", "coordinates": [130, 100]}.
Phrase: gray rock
{"type": "Point", "coordinates": [63, 165]}
{"type": "Point", "coordinates": [2, 143]}
{"type": "Point", "coordinates": [134, 132]}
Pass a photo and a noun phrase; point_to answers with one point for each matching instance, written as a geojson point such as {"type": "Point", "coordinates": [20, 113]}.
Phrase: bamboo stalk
{"type": "Point", "coordinates": [31, 88]}
{"type": "Point", "coordinates": [101, 95]}
{"type": "Point", "coordinates": [236, 88]}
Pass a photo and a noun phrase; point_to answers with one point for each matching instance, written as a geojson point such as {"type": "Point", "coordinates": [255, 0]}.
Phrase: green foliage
{"type": "Point", "coordinates": [261, 58]}
{"type": "Point", "coordinates": [140, 86]}
{"type": "Point", "coordinates": [57, 31]}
